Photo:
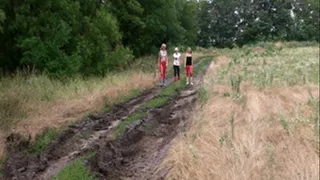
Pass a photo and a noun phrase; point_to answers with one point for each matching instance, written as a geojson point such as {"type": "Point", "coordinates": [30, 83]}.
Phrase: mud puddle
{"type": "Point", "coordinates": [135, 155]}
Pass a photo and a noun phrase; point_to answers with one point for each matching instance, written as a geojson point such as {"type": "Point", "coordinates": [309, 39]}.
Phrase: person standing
{"type": "Point", "coordinates": [163, 62]}
{"type": "Point", "coordinates": [176, 64]}
{"type": "Point", "coordinates": [189, 66]}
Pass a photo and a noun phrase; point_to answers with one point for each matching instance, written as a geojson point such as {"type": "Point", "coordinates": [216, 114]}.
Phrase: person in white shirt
{"type": "Point", "coordinates": [176, 64]}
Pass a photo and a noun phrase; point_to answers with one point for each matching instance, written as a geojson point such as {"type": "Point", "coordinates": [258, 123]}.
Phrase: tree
{"type": "Point", "coordinates": [2, 18]}
{"type": "Point", "coordinates": [129, 15]}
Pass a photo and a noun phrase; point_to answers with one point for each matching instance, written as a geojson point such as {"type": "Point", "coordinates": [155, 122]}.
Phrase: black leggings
{"type": "Point", "coordinates": [176, 70]}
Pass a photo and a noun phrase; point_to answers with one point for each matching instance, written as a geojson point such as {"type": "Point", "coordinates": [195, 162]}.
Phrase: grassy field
{"type": "Point", "coordinates": [35, 104]}
{"type": "Point", "coordinates": [258, 117]}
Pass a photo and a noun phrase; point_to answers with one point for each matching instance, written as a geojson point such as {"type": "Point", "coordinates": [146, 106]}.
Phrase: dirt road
{"type": "Point", "coordinates": [134, 154]}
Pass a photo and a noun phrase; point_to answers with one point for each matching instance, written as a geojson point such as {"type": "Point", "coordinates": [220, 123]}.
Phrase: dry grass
{"type": "Point", "coordinates": [56, 104]}
{"type": "Point", "coordinates": [273, 136]}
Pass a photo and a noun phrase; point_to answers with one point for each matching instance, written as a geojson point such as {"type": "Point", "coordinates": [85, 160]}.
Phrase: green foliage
{"type": "Point", "coordinates": [285, 124]}
{"type": "Point", "coordinates": [69, 37]}
{"type": "Point", "coordinates": [134, 117]}
{"type": "Point", "coordinates": [2, 18]}
{"type": "Point", "coordinates": [228, 23]}
{"type": "Point", "coordinates": [43, 140]}
{"type": "Point", "coordinates": [87, 37]}
{"type": "Point", "coordinates": [203, 95]}
{"type": "Point", "coordinates": [157, 102]}
{"type": "Point", "coordinates": [75, 171]}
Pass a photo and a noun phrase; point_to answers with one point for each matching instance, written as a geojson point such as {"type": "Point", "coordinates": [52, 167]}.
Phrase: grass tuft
{"type": "Point", "coordinates": [43, 140]}
{"type": "Point", "coordinates": [76, 170]}
{"type": "Point", "coordinates": [285, 124]}
{"type": "Point", "coordinates": [134, 117]}
{"type": "Point", "coordinates": [157, 102]}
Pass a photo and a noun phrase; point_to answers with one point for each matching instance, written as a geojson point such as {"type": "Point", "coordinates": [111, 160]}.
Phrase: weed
{"type": "Point", "coordinates": [157, 102]}
{"type": "Point", "coordinates": [134, 117]}
{"type": "Point", "coordinates": [226, 94]}
{"type": "Point", "coordinates": [271, 162]}
{"type": "Point", "coordinates": [76, 170]}
{"type": "Point", "coordinates": [223, 138]}
{"type": "Point", "coordinates": [235, 84]}
{"type": "Point", "coordinates": [285, 124]}
{"type": "Point", "coordinates": [43, 140]}
{"type": "Point", "coordinates": [203, 95]}
{"type": "Point", "coordinates": [170, 90]}
{"type": "Point", "coordinates": [232, 125]}
{"type": "Point", "coordinates": [310, 94]}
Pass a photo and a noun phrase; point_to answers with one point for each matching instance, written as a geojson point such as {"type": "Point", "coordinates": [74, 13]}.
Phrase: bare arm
{"type": "Point", "coordinates": [159, 59]}
{"type": "Point", "coordinates": [185, 60]}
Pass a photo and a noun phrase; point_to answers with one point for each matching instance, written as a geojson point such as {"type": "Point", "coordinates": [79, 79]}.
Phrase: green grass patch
{"type": "Point", "coordinates": [43, 140]}
{"type": "Point", "coordinates": [76, 171]}
{"type": "Point", "coordinates": [203, 95]}
{"type": "Point", "coordinates": [157, 102]}
{"type": "Point", "coordinates": [273, 67]}
{"type": "Point", "coordinates": [201, 65]}
{"type": "Point", "coordinates": [134, 117]}
{"type": "Point", "coordinates": [173, 89]}
{"type": "Point", "coordinates": [285, 124]}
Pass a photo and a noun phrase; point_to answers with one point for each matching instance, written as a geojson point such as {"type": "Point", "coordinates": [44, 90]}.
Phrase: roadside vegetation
{"type": "Point", "coordinates": [259, 118]}
{"type": "Point", "coordinates": [34, 104]}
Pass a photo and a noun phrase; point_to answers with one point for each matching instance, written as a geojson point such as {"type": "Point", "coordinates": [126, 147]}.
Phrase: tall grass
{"type": "Point", "coordinates": [258, 145]}
{"type": "Point", "coordinates": [19, 96]}
{"type": "Point", "coordinates": [34, 103]}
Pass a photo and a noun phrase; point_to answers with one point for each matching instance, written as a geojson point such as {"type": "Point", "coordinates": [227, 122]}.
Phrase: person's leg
{"type": "Point", "coordinates": [175, 72]}
{"type": "Point", "coordinates": [187, 73]}
{"type": "Point", "coordinates": [161, 74]}
{"type": "Point", "coordinates": [191, 75]}
{"type": "Point", "coordinates": [178, 72]}
{"type": "Point", "coordinates": [164, 66]}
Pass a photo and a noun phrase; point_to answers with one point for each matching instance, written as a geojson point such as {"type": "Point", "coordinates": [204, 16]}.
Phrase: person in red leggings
{"type": "Point", "coordinates": [189, 66]}
{"type": "Point", "coordinates": [163, 62]}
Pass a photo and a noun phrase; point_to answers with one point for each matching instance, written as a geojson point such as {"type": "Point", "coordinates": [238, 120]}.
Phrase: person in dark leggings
{"type": "Point", "coordinates": [176, 64]}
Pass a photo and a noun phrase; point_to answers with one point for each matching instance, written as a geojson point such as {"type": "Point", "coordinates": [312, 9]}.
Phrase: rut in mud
{"type": "Point", "coordinates": [136, 154]}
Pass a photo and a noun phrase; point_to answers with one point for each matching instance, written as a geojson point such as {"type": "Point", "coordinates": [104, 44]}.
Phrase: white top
{"type": "Point", "coordinates": [176, 59]}
{"type": "Point", "coordinates": [163, 55]}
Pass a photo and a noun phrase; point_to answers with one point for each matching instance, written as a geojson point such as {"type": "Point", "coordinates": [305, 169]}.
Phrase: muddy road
{"type": "Point", "coordinates": [134, 154]}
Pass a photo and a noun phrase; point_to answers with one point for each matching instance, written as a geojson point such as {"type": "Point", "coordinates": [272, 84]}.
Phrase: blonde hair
{"type": "Point", "coordinates": [163, 46]}
{"type": "Point", "coordinates": [189, 50]}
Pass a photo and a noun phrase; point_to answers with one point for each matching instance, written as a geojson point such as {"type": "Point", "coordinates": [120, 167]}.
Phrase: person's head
{"type": "Point", "coordinates": [189, 50]}
{"type": "Point", "coordinates": [176, 49]}
{"type": "Point", "coordinates": [163, 46]}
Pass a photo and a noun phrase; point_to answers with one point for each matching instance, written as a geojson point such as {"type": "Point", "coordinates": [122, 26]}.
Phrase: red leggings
{"type": "Point", "coordinates": [163, 69]}
{"type": "Point", "coordinates": [189, 71]}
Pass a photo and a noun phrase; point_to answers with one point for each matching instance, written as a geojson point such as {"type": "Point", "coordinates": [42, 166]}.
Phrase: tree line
{"type": "Point", "coordinates": [64, 38]}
